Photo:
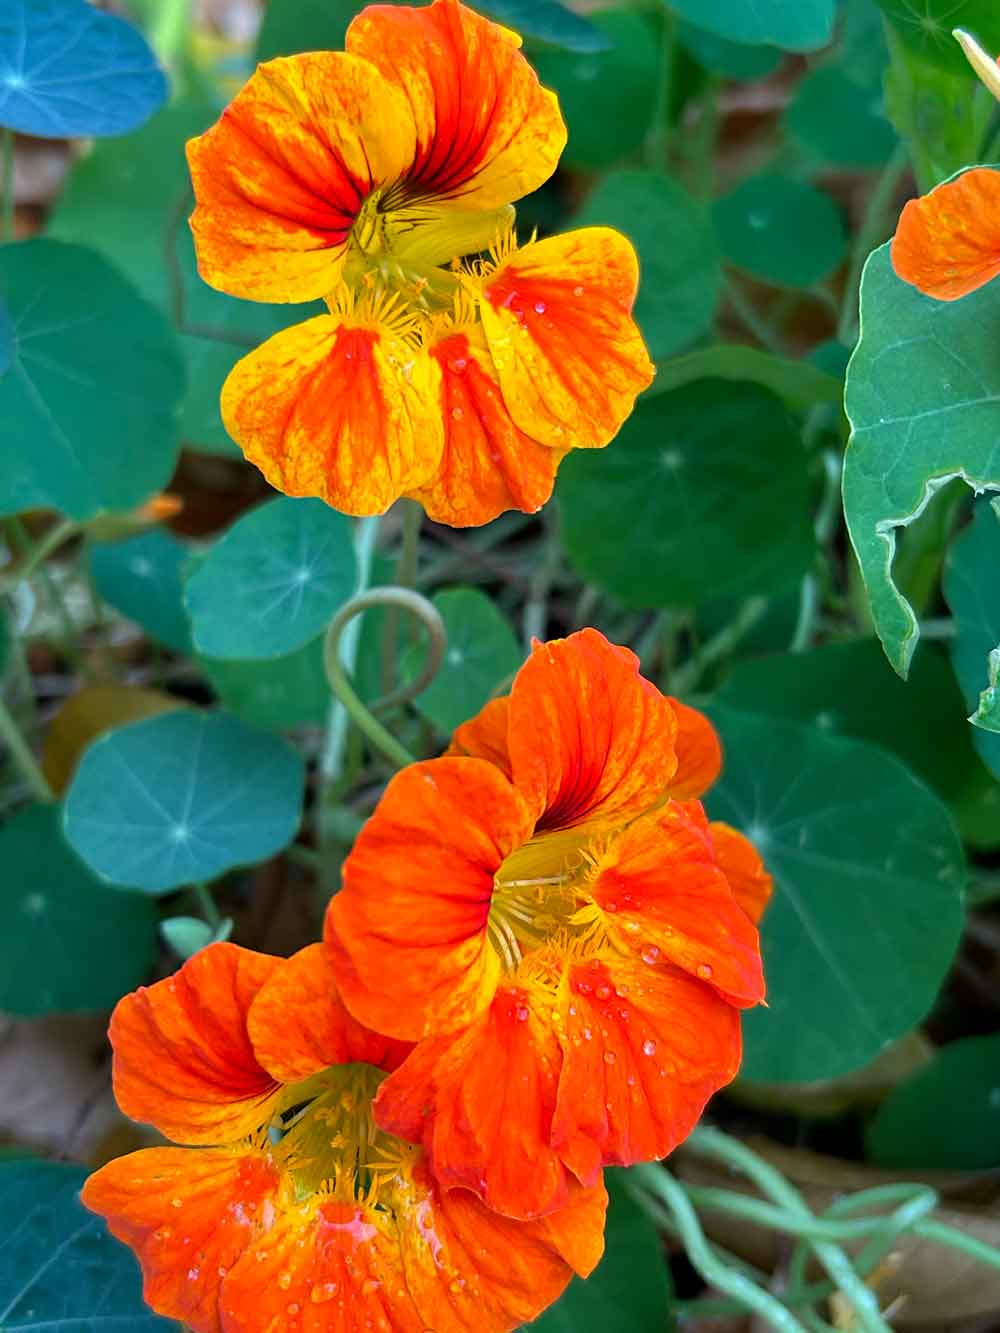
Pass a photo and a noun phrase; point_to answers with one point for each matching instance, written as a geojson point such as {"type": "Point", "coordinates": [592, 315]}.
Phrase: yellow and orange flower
{"type": "Point", "coordinates": [364, 178]}
{"type": "Point", "coordinates": [947, 243]}
{"type": "Point", "coordinates": [294, 1211]}
{"type": "Point", "coordinates": [548, 913]}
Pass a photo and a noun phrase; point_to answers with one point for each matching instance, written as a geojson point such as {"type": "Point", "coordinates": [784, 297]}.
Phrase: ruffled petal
{"type": "Point", "coordinates": [699, 753]}
{"type": "Point", "coordinates": [482, 1101]}
{"type": "Point", "coordinates": [298, 1023]}
{"type": "Point", "coordinates": [569, 356]}
{"type": "Point", "coordinates": [408, 929]}
{"type": "Point", "coordinates": [282, 176]}
{"type": "Point", "coordinates": [188, 1215]}
{"type": "Point", "coordinates": [665, 897]}
{"type": "Point", "coordinates": [589, 738]}
{"type": "Point", "coordinates": [487, 131]}
{"type": "Point", "coordinates": [345, 411]}
{"type": "Point", "coordinates": [947, 243]}
{"type": "Point", "coordinates": [488, 465]}
{"type": "Point", "coordinates": [643, 1050]}
{"type": "Point", "coordinates": [469, 1268]}
{"type": "Point", "coordinates": [740, 862]}
{"type": "Point", "coordinates": [485, 735]}
{"type": "Point", "coordinates": [183, 1060]}
{"type": "Point", "coordinates": [325, 1267]}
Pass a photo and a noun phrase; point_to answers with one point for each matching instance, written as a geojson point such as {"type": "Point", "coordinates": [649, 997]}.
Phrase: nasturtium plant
{"type": "Point", "coordinates": [142, 577]}
{"type": "Point", "coordinates": [753, 226]}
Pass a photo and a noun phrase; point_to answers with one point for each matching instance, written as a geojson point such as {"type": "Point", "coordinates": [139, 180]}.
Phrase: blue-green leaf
{"type": "Point", "coordinates": [793, 25]}
{"type": "Point", "coordinates": [755, 221]}
{"type": "Point", "coordinates": [141, 578]}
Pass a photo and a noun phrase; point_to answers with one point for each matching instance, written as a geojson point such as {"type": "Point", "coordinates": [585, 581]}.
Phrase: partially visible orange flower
{"type": "Point", "coordinates": [548, 913]}
{"type": "Point", "coordinates": [364, 178]}
{"type": "Point", "coordinates": [295, 1211]}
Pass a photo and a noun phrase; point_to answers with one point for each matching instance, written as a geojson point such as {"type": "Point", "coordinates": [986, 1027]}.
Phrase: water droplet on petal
{"type": "Point", "coordinates": [522, 1013]}
{"type": "Point", "coordinates": [176, 1203]}
{"type": "Point", "coordinates": [609, 1057]}
{"type": "Point", "coordinates": [284, 1281]}
{"type": "Point", "coordinates": [322, 1292]}
{"type": "Point", "coordinates": [704, 971]}
{"type": "Point", "coordinates": [457, 414]}
{"type": "Point", "coordinates": [587, 1034]}
{"type": "Point", "coordinates": [648, 1047]}
{"type": "Point", "coordinates": [603, 991]}
{"type": "Point", "coordinates": [650, 954]}
{"type": "Point", "coordinates": [294, 1308]}
{"type": "Point", "coordinates": [539, 307]}
{"type": "Point", "coordinates": [577, 291]}
{"type": "Point", "coordinates": [370, 1286]}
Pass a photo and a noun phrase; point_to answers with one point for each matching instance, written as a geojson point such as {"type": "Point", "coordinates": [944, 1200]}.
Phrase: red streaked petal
{"type": "Point", "coordinates": [742, 866]}
{"type": "Point", "coordinates": [188, 1214]}
{"type": "Point", "coordinates": [665, 897]}
{"type": "Point", "coordinates": [569, 356]}
{"type": "Point", "coordinates": [947, 243]}
{"type": "Point", "coordinates": [408, 928]}
{"type": "Point", "coordinates": [298, 1023]}
{"type": "Point", "coordinates": [469, 1268]}
{"type": "Point", "coordinates": [345, 412]}
{"type": "Point", "coordinates": [481, 1101]}
{"type": "Point", "coordinates": [325, 1267]}
{"type": "Point", "coordinates": [282, 176]}
{"type": "Point", "coordinates": [487, 131]}
{"type": "Point", "coordinates": [699, 753]}
{"type": "Point", "coordinates": [183, 1059]}
{"type": "Point", "coordinates": [643, 1050]}
{"type": "Point", "coordinates": [485, 735]}
{"type": "Point", "coordinates": [589, 738]}
{"type": "Point", "coordinates": [488, 465]}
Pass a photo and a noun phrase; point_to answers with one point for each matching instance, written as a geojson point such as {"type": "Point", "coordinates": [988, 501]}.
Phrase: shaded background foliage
{"type": "Point", "coordinates": [755, 154]}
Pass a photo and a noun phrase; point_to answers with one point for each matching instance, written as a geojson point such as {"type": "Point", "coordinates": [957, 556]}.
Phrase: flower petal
{"type": "Point", "coordinates": [469, 1268]}
{"type": "Point", "coordinates": [485, 735]}
{"type": "Point", "coordinates": [947, 244]}
{"type": "Point", "coordinates": [408, 929]}
{"type": "Point", "coordinates": [740, 862]}
{"type": "Point", "coordinates": [298, 1023]}
{"type": "Point", "coordinates": [183, 1060]}
{"type": "Point", "coordinates": [488, 465]}
{"type": "Point", "coordinates": [347, 412]}
{"type": "Point", "coordinates": [699, 754]}
{"type": "Point", "coordinates": [664, 896]}
{"type": "Point", "coordinates": [643, 1050]}
{"type": "Point", "coordinates": [188, 1215]}
{"type": "Point", "coordinates": [589, 738]}
{"type": "Point", "coordinates": [487, 131]}
{"type": "Point", "coordinates": [481, 1101]}
{"type": "Point", "coordinates": [282, 176]}
{"type": "Point", "coordinates": [325, 1267]}
{"type": "Point", "coordinates": [569, 356]}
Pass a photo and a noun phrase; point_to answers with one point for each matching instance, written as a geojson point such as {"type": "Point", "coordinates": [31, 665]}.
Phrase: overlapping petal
{"type": "Point", "coordinates": [488, 465]}
{"type": "Point", "coordinates": [408, 928]}
{"type": "Point", "coordinates": [188, 1215]}
{"type": "Point", "coordinates": [643, 1050]}
{"type": "Point", "coordinates": [482, 1104]}
{"type": "Point", "coordinates": [343, 410]}
{"type": "Point", "coordinates": [282, 176]}
{"type": "Point", "coordinates": [569, 356]}
{"type": "Point", "coordinates": [699, 753]}
{"type": "Point", "coordinates": [487, 131]}
{"type": "Point", "coordinates": [485, 735]}
{"type": "Point", "coordinates": [947, 243]}
{"type": "Point", "coordinates": [741, 863]}
{"type": "Point", "coordinates": [183, 1061]}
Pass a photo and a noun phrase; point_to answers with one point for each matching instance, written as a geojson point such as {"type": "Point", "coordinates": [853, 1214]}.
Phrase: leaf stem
{"type": "Point", "coordinates": [39, 551]}
{"type": "Point", "coordinates": [20, 752]}
{"type": "Point", "coordinates": [658, 138]}
{"type": "Point", "coordinates": [206, 905]}
{"type": "Point", "coordinates": [870, 234]}
{"type": "Point", "coordinates": [7, 183]}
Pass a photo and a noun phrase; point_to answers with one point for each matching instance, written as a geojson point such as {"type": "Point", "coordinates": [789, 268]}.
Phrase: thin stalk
{"type": "Point", "coordinates": [338, 721]}
{"type": "Point", "coordinates": [405, 577]}
{"type": "Point", "coordinates": [41, 550]}
{"type": "Point", "coordinates": [206, 905]}
{"type": "Point", "coordinates": [871, 233]}
{"type": "Point", "coordinates": [658, 139]}
{"type": "Point", "coordinates": [20, 752]}
{"type": "Point", "coordinates": [754, 322]}
{"type": "Point", "coordinates": [7, 182]}
{"type": "Point", "coordinates": [686, 677]}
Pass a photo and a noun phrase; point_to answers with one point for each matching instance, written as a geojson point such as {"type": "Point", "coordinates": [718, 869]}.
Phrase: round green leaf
{"type": "Point", "coordinates": [704, 493]}
{"type": "Point", "coordinates": [679, 287]}
{"type": "Point", "coordinates": [69, 71]}
{"type": "Point", "coordinates": [89, 402]}
{"type": "Point", "coordinates": [925, 27]}
{"type": "Point", "coordinates": [947, 1115]}
{"type": "Point", "coordinates": [973, 593]}
{"type": "Point", "coordinates": [70, 943]}
{"type": "Point", "coordinates": [281, 692]}
{"type": "Point", "coordinates": [6, 340]}
{"type": "Point", "coordinates": [61, 1271]}
{"type": "Point", "coordinates": [630, 1290]}
{"type": "Point", "coordinates": [867, 909]}
{"type": "Point", "coordinates": [802, 384]}
{"type": "Point", "coordinates": [794, 25]}
{"type": "Point", "coordinates": [181, 798]}
{"type": "Point", "coordinates": [608, 98]}
{"type": "Point", "coordinates": [850, 689]}
{"type": "Point", "coordinates": [548, 21]}
{"type": "Point", "coordinates": [755, 222]}
{"type": "Point", "coordinates": [141, 578]}
{"type": "Point", "coordinates": [923, 398]}
{"type": "Point", "coordinates": [273, 581]}
{"type": "Point", "coordinates": [482, 653]}
{"type": "Point", "coordinates": [732, 60]}
{"type": "Point", "coordinates": [840, 121]}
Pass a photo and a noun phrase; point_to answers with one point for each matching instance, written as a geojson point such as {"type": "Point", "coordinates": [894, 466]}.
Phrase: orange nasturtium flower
{"type": "Point", "coordinates": [293, 1211]}
{"type": "Point", "coordinates": [548, 913]}
{"type": "Point", "coordinates": [947, 243]}
{"type": "Point", "coordinates": [364, 178]}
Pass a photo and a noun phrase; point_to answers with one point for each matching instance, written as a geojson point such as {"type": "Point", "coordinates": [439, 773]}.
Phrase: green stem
{"type": "Point", "coordinates": [754, 322]}
{"type": "Point", "coordinates": [24, 761]}
{"type": "Point", "coordinates": [7, 183]}
{"type": "Point", "coordinates": [931, 1229]}
{"type": "Point", "coordinates": [871, 233]}
{"type": "Point", "coordinates": [536, 607]}
{"type": "Point", "coordinates": [687, 676]}
{"type": "Point", "coordinates": [41, 550]}
{"type": "Point", "coordinates": [206, 905]}
{"type": "Point", "coordinates": [405, 577]}
{"type": "Point", "coordinates": [658, 138]}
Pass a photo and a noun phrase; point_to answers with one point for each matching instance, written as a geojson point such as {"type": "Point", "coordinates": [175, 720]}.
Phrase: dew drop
{"type": "Point", "coordinates": [456, 1285]}
{"type": "Point", "coordinates": [648, 1047]}
{"type": "Point", "coordinates": [584, 987]}
{"type": "Point", "coordinates": [193, 1274]}
{"type": "Point", "coordinates": [603, 991]}
{"type": "Point", "coordinates": [578, 291]}
{"type": "Point", "coordinates": [294, 1308]}
{"type": "Point", "coordinates": [539, 307]}
{"type": "Point", "coordinates": [521, 1013]}
{"type": "Point", "coordinates": [176, 1203]}
{"type": "Point", "coordinates": [650, 954]}
{"type": "Point", "coordinates": [323, 1292]}
{"type": "Point", "coordinates": [457, 364]}
{"type": "Point", "coordinates": [704, 971]}
{"type": "Point", "coordinates": [457, 414]}
{"type": "Point", "coordinates": [284, 1281]}
{"type": "Point", "coordinates": [587, 1034]}
{"type": "Point", "coordinates": [611, 907]}
{"type": "Point", "coordinates": [609, 1057]}
{"type": "Point", "coordinates": [370, 1286]}
{"type": "Point", "coordinates": [164, 1233]}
